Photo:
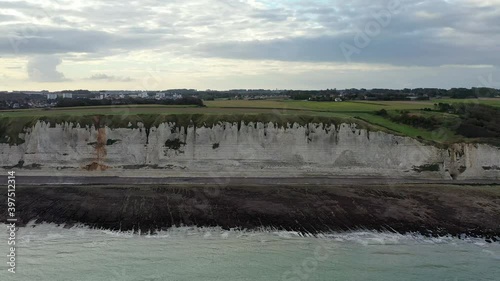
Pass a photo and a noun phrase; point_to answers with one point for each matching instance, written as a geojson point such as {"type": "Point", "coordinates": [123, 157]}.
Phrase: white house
{"type": "Point", "coordinates": [67, 95]}
{"type": "Point", "coordinates": [51, 96]}
{"type": "Point", "coordinates": [160, 96]}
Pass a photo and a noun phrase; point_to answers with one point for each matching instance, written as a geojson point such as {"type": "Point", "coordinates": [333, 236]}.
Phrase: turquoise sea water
{"type": "Point", "coordinates": [47, 252]}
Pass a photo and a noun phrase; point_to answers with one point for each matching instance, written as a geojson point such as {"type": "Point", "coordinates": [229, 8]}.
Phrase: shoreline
{"type": "Point", "coordinates": [428, 209]}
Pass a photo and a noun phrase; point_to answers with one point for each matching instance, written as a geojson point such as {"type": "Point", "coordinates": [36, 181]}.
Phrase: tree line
{"type": "Point", "coordinates": [391, 94]}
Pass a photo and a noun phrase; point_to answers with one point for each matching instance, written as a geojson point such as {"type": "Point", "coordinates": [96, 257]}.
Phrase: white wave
{"type": "Point", "coordinates": [52, 232]}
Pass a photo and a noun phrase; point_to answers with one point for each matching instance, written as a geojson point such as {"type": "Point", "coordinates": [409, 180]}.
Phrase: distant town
{"type": "Point", "coordinates": [66, 98]}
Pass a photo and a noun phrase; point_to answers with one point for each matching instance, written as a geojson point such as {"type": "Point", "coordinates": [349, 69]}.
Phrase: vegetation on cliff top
{"type": "Point", "coordinates": [470, 121]}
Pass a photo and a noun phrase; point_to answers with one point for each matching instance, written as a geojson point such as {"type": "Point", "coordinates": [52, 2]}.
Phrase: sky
{"type": "Point", "coordinates": [255, 44]}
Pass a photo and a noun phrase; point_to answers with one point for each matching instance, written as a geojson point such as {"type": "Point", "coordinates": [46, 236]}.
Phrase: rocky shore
{"type": "Point", "coordinates": [427, 209]}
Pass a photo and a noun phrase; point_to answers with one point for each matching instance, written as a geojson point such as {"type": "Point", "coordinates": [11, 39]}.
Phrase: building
{"type": "Point", "coordinates": [67, 95]}
{"type": "Point", "coordinates": [104, 95]}
{"type": "Point", "coordinates": [160, 96]}
{"type": "Point", "coordinates": [51, 96]}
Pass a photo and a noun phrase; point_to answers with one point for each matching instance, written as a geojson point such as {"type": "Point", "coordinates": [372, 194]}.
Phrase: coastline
{"type": "Point", "coordinates": [428, 209]}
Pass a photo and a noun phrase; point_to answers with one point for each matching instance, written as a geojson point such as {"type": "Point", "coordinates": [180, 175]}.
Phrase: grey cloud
{"type": "Point", "coordinates": [319, 11]}
{"type": "Point", "coordinates": [50, 40]}
{"type": "Point", "coordinates": [195, 30]}
{"type": "Point", "coordinates": [44, 69]}
{"type": "Point", "coordinates": [102, 76]}
{"type": "Point", "coordinates": [452, 34]}
{"type": "Point", "coordinates": [446, 14]}
{"type": "Point", "coordinates": [273, 15]}
{"type": "Point", "coordinates": [4, 18]}
{"type": "Point", "coordinates": [397, 50]}
{"type": "Point", "coordinates": [19, 5]}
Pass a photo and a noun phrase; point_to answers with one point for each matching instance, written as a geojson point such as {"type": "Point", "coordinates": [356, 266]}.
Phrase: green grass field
{"type": "Point", "coordinates": [348, 106]}
{"type": "Point", "coordinates": [362, 112]}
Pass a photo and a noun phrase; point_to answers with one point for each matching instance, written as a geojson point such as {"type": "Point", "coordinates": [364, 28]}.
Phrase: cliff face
{"type": "Point", "coordinates": [245, 149]}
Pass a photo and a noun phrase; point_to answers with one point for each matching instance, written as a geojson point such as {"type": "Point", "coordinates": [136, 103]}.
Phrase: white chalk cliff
{"type": "Point", "coordinates": [251, 149]}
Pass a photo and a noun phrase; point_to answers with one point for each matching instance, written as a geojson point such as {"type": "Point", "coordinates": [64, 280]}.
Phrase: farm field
{"type": "Point", "coordinates": [348, 106]}
{"type": "Point", "coordinates": [130, 110]}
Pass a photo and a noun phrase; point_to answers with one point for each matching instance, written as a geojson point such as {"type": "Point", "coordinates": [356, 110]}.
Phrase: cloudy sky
{"type": "Point", "coordinates": [225, 44]}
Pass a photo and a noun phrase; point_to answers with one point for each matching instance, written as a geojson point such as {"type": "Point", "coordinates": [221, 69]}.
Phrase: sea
{"type": "Point", "coordinates": [50, 252]}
